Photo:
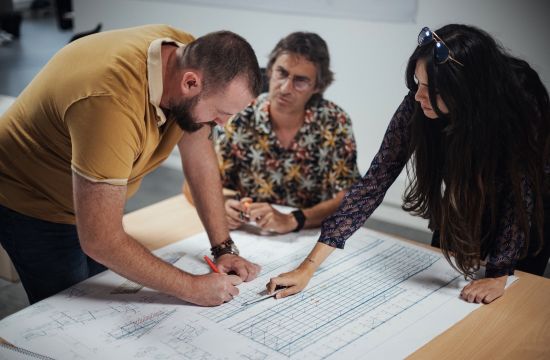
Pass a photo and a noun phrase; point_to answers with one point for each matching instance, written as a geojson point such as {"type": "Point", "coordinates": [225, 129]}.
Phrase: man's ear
{"type": "Point", "coordinates": [317, 90]}
{"type": "Point", "coordinates": [191, 83]}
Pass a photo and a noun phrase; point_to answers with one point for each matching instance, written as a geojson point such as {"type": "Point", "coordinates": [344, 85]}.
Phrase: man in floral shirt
{"type": "Point", "coordinates": [290, 146]}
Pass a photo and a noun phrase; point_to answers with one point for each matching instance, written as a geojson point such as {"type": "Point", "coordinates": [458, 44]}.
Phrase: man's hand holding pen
{"type": "Point", "coordinates": [240, 211]}
{"type": "Point", "coordinates": [236, 211]}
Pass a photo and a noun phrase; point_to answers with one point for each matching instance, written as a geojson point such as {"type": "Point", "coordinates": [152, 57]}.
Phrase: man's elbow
{"type": "Point", "coordinates": [95, 246]}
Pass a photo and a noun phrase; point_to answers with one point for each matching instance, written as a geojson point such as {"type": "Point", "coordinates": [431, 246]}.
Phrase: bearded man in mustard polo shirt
{"type": "Point", "coordinates": [105, 111]}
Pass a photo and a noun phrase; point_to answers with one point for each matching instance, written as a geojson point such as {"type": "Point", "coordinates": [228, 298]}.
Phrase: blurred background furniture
{"type": "Point", "coordinates": [64, 14]}
{"type": "Point", "coordinates": [10, 21]}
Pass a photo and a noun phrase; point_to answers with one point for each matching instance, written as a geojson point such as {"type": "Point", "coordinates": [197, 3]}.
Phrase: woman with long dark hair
{"type": "Point", "coordinates": [475, 127]}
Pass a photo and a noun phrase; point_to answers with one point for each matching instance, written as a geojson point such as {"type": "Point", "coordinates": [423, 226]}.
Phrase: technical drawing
{"type": "Point", "coordinates": [64, 320]}
{"type": "Point", "coordinates": [139, 327]}
{"type": "Point", "coordinates": [360, 301]}
{"type": "Point", "coordinates": [293, 325]}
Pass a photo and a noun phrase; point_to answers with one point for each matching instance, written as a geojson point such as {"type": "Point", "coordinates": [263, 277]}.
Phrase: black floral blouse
{"type": "Point", "coordinates": [365, 196]}
{"type": "Point", "coordinates": [320, 162]}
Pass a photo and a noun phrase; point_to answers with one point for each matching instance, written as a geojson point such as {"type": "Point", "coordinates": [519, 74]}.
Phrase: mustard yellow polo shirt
{"type": "Point", "coordinates": [93, 109]}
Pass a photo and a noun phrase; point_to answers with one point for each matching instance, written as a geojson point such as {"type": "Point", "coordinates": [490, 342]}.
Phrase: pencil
{"type": "Point", "coordinates": [278, 288]}
{"type": "Point", "coordinates": [238, 198]}
{"type": "Point", "coordinates": [246, 205]}
{"type": "Point", "coordinates": [211, 264]}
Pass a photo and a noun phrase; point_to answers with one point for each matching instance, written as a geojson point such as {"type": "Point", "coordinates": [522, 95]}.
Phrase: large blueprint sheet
{"type": "Point", "coordinates": [377, 298]}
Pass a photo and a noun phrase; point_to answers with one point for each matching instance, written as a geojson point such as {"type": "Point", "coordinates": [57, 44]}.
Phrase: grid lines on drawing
{"type": "Point", "coordinates": [291, 326]}
{"type": "Point", "coordinates": [230, 309]}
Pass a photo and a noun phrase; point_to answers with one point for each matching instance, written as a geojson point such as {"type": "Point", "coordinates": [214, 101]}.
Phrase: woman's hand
{"type": "Point", "coordinates": [484, 290]}
{"type": "Point", "coordinates": [294, 281]}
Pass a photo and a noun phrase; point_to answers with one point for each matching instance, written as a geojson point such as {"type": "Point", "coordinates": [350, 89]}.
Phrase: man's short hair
{"type": "Point", "coordinates": [222, 56]}
{"type": "Point", "coordinates": [313, 48]}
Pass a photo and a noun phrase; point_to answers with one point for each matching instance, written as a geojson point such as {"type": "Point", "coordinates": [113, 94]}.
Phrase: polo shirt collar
{"type": "Point", "coordinates": [154, 75]}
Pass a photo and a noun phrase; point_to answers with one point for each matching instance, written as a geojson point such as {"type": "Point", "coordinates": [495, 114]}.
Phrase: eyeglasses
{"type": "Point", "coordinates": [441, 50]}
{"type": "Point", "coordinates": [300, 83]}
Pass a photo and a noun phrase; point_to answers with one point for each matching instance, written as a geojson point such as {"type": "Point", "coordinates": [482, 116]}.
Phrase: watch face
{"type": "Point", "coordinates": [227, 247]}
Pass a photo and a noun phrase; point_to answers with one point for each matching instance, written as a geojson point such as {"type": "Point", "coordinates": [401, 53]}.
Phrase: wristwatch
{"type": "Point", "coordinates": [226, 247]}
{"type": "Point", "coordinates": [300, 219]}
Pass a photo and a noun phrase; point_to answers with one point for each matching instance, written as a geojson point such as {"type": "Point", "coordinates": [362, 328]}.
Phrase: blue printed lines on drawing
{"type": "Point", "coordinates": [228, 310]}
{"type": "Point", "coordinates": [296, 323]}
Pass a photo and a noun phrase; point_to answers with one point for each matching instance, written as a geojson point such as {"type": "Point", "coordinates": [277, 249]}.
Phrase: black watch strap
{"type": "Point", "coordinates": [226, 247]}
{"type": "Point", "coordinates": [300, 219]}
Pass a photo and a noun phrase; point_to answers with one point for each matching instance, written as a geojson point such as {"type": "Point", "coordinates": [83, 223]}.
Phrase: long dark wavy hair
{"type": "Point", "coordinates": [494, 137]}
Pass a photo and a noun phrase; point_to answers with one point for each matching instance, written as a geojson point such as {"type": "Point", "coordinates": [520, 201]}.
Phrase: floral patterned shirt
{"type": "Point", "coordinates": [320, 162]}
{"type": "Point", "coordinates": [365, 196]}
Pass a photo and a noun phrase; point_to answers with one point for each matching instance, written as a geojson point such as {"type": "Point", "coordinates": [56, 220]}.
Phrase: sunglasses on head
{"type": "Point", "coordinates": [441, 51]}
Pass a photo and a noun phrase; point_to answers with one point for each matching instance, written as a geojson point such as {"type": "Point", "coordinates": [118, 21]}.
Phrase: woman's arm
{"type": "Point", "coordinates": [366, 194]}
{"type": "Point", "coordinates": [359, 202]}
{"type": "Point", "coordinates": [510, 240]}
{"type": "Point", "coordinates": [506, 250]}
{"type": "Point", "coordinates": [296, 280]}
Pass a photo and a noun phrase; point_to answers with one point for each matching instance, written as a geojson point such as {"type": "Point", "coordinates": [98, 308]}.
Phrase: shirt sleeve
{"type": "Point", "coordinates": [105, 139]}
{"type": "Point", "coordinates": [344, 170]}
{"type": "Point", "coordinates": [510, 240]}
{"type": "Point", "coordinates": [226, 152]}
{"type": "Point", "coordinates": [366, 194]}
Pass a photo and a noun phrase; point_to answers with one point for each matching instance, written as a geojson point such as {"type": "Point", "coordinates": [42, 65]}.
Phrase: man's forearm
{"type": "Point", "coordinates": [202, 173]}
{"type": "Point", "coordinates": [128, 258]}
{"type": "Point", "coordinates": [99, 209]}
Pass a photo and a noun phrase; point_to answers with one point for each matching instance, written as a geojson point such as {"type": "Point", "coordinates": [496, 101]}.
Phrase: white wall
{"type": "Point", "coordinates": [369, 58]}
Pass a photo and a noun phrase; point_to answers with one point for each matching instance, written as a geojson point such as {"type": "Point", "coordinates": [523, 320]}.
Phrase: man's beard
{"type": "Point", "coordinates": [182, 113]}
